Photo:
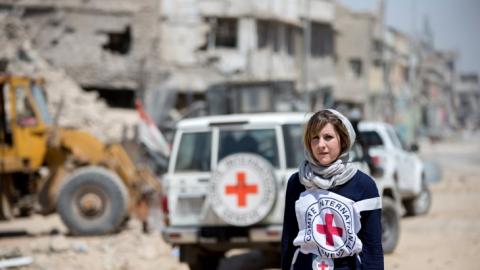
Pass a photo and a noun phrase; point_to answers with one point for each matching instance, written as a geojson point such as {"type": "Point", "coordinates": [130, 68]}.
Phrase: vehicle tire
{"type": "Point", "coordinates": [419, 205]}
{"type": "Point", "coordinates": [198, 258]}
{"type": "Point", "coordinates": [390, 225]}
{"type": "Point", "coordinates": [92, 201]}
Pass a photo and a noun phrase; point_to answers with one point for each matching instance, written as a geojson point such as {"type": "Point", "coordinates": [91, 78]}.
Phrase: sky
{"type": "Point", "coordinates": [455, 24]}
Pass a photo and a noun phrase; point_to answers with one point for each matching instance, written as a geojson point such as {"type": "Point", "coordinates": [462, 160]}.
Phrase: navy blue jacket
{"type": "Point", "coordinates": [360, 187]}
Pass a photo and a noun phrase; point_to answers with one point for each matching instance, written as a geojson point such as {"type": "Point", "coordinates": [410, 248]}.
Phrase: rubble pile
{"type": "Point", "coordinates": [79, 109]}
{"type": "Point", "coordinates": [130, 249]}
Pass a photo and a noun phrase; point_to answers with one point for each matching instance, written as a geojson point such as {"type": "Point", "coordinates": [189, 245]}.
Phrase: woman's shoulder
{"type": "Point", "coordinates": [294, 182]}
{"type": "Point", "coordinates": [366, 183]}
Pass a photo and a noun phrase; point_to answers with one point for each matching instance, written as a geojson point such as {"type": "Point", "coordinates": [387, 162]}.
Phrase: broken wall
{"type": "Point", "coordinates": [80, 109]}
{"type": "Point", "coordinates": [100, 44]}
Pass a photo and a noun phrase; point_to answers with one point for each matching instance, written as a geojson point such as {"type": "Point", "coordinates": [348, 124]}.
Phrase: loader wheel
{"type": "Point", "coordinates": [390, 225]}
{"type": "Point", "coordinates": [92, 201]}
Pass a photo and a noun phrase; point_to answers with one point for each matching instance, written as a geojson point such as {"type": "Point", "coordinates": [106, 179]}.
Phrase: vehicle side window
{"type": "Point", "coordinates": [5, 116]}
{"type": "Point", "coordinates": [371, 138]}
{"type": "Point", "coordinates": [293, 144]}
{"type": "Point", "coordinates": [40, 99]}
{"type": "Point", "coordinates": [393, 137]}
{"type": "Point", "coordinates": [194, 152]}
{"type": "Point", "coordinates": [262, 142]}
{"type": "Point", "coordinates": [401, 141]}
{"type": "Point", "coordinates": [24, 111]}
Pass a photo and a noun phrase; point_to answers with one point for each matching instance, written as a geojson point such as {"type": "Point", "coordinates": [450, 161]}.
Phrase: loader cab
{"type": "Point", "coordinates": [23, 119]}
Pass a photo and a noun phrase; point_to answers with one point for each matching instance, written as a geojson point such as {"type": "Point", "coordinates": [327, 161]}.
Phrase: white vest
{"type": "Point", "coordinates": [328, 223]}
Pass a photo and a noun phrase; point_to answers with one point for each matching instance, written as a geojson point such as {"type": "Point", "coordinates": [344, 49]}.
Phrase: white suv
{"type": "Point", "coordinates": [226, 180]}
{"type": "Point", "coordinates": [399, 163]}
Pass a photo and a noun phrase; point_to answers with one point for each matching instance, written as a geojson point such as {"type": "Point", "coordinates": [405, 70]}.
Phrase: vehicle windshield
{"type": "Point", "coordinates": [262, 142]}
{"type": "Point", "coordinates": [40, 99]}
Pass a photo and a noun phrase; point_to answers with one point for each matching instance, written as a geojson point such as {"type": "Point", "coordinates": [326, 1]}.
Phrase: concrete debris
{"type": "Point", "coordinates": [15, 262]}
{"type": "Point", "coordinates": [80, 247]}
{"type": "Point", "coordinates": [83, 110]}
{"type": "Point", "coordinates": [59, 244]}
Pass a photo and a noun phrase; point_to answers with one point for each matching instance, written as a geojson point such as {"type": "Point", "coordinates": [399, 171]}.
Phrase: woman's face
{"type": "Point", "coordinates": [326, 145]}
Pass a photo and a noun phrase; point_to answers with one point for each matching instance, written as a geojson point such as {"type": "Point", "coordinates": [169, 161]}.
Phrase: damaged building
{"type": "Point", "coordinates": [103, 45]}
{"type": "Point", "coordinates": [193, 57]}
{"type": "Point", "coordinates": [172, 52]}
{"type": "Point", "coordinates": [244, 54]}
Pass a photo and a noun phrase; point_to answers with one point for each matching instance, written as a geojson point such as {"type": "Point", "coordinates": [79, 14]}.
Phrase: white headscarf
{"type": "Point", "coordinates": [312, 174]}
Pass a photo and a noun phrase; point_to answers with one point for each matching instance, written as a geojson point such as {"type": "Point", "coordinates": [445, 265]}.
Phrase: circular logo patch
{"type": "Point", "coordinates": [242, 189]}
{"type": "Point", "coordinates": [330, 224]}
{"type": "Point", "coordinates": [322, 264]}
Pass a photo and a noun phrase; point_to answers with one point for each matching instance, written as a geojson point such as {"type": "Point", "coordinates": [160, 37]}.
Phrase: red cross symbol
{"type": "Point", "coordinates": [322, 266]}
{"type": "Point", "coordinates": [329, 230]}
{"type": "Point", "coordinates": [241, 189]}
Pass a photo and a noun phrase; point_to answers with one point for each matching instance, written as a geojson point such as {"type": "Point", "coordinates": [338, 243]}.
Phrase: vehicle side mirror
{"type": "Point", "coordinates": [414, 147]}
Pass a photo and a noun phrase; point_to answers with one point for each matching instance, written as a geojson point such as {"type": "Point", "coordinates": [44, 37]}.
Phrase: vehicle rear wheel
{"type": "Point", "coordinates": [390, 225]}
{"type": "Point", "coordinates": [419, 205]}
{"type": "Point", "coordinates": [92, 201]}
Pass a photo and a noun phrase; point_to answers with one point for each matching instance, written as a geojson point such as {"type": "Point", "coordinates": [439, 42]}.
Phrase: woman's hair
{"type": "Point", "coordinates": [319, 120]}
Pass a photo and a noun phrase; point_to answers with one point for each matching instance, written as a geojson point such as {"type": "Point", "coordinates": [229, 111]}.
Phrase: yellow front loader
{"type": "Point", "coordinates": [45, 168]}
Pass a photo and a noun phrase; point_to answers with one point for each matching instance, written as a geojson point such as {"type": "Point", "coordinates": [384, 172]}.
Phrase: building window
{"type": "Point", "coordinates": [222, 34]}
{"type": "Point", "coordinates": [277, 37]}
{"type": "Point", "coordinates": [118, 42]}
{"type": "Point", "coordinates": [225, 30]}
{"type": "Point", "coordinates": [356, 67]}
{"type": "Point", "coordinates": [263, 34]}
{"type": "Point", "coordinates": [321, 40]}
{"type": "Point", "coordinates": [290, 40]}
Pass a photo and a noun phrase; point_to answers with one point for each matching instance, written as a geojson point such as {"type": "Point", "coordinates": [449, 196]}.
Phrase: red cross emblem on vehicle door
{"type": "Point", "coordinates": [241, 189]}
{"type": "Point", "coordinates": [329, 230]}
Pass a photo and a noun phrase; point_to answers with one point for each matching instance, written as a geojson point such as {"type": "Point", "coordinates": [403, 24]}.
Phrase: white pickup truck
{"type": "Point", "coordinates": [226, 180]}
{"type": "Point", "coordinates": [400, 163]}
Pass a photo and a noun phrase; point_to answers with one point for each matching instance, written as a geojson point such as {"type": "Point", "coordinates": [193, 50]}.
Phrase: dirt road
{"type": "Point", "coordinates": [447, 238]}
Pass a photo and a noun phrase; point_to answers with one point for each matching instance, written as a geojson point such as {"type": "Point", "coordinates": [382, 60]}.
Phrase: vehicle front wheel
{"type": "Point", "coordinates": [390, 225]}
{"type": "Point", "coordinates": [92, 201]}
{"type": "Point", "coordinates": [419, 205]}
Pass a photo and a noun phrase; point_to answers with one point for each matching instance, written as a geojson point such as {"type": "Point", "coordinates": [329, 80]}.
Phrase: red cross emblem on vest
{"type": "Point", "coordinates": [322, 266]}
{"type": "Point", "coordinates": [241, 189]}
{"type": "Point", "coordinates": [329, 230]}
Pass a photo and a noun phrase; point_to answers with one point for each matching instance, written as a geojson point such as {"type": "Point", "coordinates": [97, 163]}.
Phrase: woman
{"type": "Point", "coordinates": [332, 210]}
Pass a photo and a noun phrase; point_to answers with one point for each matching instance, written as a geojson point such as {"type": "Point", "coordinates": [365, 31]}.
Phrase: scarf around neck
{"type": "Point", "coordinates": [312, 174]}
